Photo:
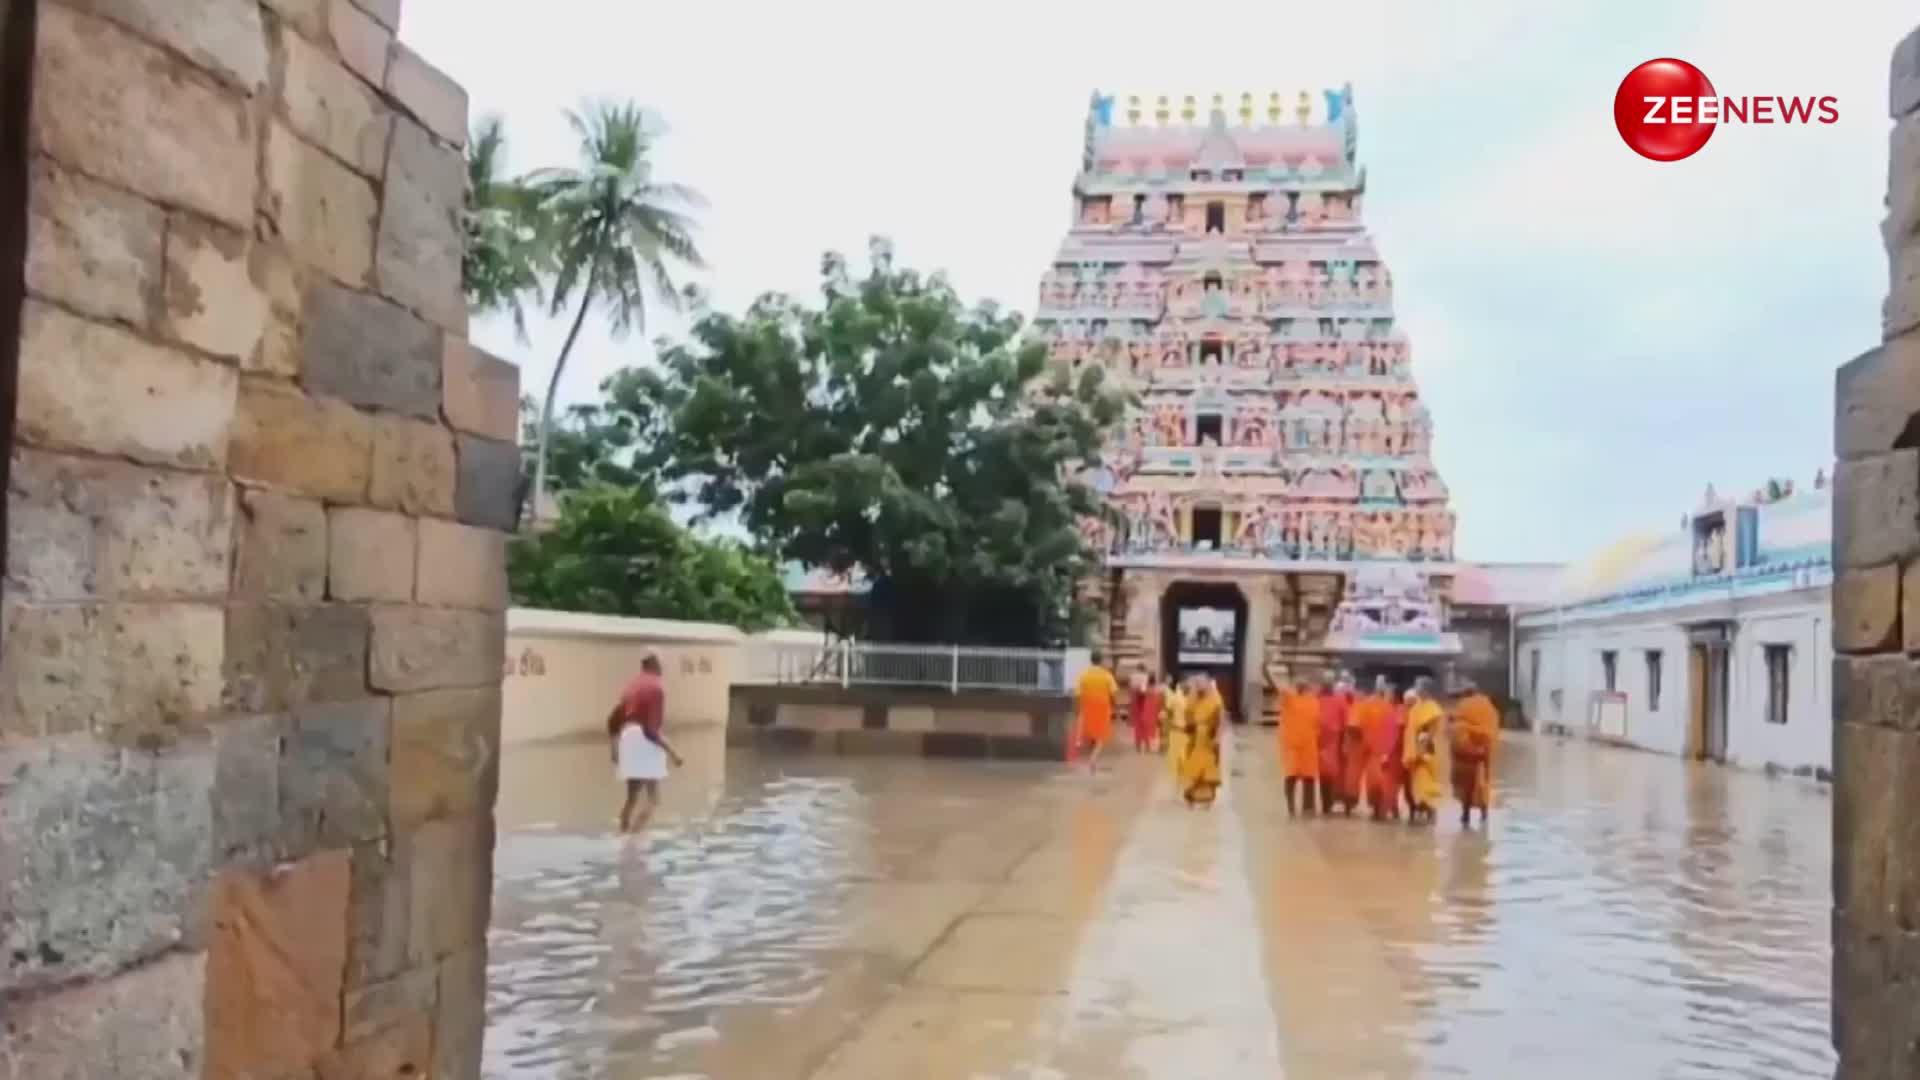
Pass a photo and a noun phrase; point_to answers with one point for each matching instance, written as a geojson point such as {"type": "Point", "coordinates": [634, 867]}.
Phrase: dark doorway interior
{"type": "Point", "coordinates": [1206, 528]}
{"type": "Point", "coordinates": [1216, 217]}
{"type": "Point", "coordinates": [1224, 660]}
{"type": "Point", "coordinates": [1400, 674]}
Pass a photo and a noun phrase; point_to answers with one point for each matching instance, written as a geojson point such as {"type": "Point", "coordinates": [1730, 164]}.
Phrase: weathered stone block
{"type": "Point", "coordinates": [88, 386]}
{"type": "Point", "coordinates": [387, 12]}
{"type": "Point", "coordinates": [1876, 396]}
{"type": "Point", "coordinates": [1866, 609]}
{"type": "Point", "coordinates": [435, 648]}
{"type": "Point", "coordinates": [1876, 509]}
{"type": "Point", "coordinates": [208, 297]}
{"type": "Point", "coordinates": [418, 258]}
{"type": "Point", "coordinates": [461, 566]}
{"type": "Point", "coordinates": [1903, 180]}
{"type": "Point", "coordinates": [91, 247]}
{"type": "Point", "coordinates": [1903, 835]}
{"type": "Point", "coordinates": [224, 37]}
{"type": "Point", "coordinates": [106, 852]}
{"type": "Point", "coordinates": [370, 555]}
{"type": "Point", "coordinates": [1881, 690]}
{"type": "Point", "coordinates": [279, 656]}
{"type": "Point", "coordinates": [425, 91]}
{"type": "Point", "coordinates": [446, 747]}
{"type": "Point", "coordinates": [284, 282]}
{"type": "Point", "coordinates": [1860, 1015]}
{"type": "Point", "coordinates": [1903, 92]}
{"type": "Point", "coordinates": [377, 918]}
{"type": "Point", "coordinates": [246, 788]}
{"type": "Point", "coordinates": [89, 528]}
{"type": "Point", "coordinates": [144, 1024]}
{"type": "Point", "coordinates": [402, 1048]}
{"type": "Point", "coordinates": [274, 968]}
{"type": "Point", "coordinates": [309, 17]}
{"type": "Point", "coordinates": [480, 392]}
{"type": "Point", "coordinates": [377, 1006]}
{"type": "Point", "coordinates": [282, 548]}
{"type": "Point", "coordinates": [332, 109]}
{"type": "Point", "coordinates": [1865, 800]}
{"type": "Point", "coordinates": [278, 354]}
{"type": "Point", "coordinates": [361, 40]}
{"type": "Point", "coordinates": [461, 1019]}
{"type": "Point", "coordinates": [489, 487]}
{"type": "Point", "coordinates": [333, 774]}
{"type": "Point", "coordinates": [413, 466]}
{"type": "Point", "coordinates": [1900, 313]}
{"type": "Point", "coordinates": [452, 887]}
{"type": "Point", "coordinates": [364, 350]}
{"type": "Point", "coordinates": [313, 446]}
{"type": "Point", "coordinates": [122, 671]}
{"type": "Point", "coordinates": [323, 209]}
{"type": "Point", "coordinates": [117, 108]}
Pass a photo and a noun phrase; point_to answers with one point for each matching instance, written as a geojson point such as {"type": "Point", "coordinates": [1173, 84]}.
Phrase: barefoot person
{"type": "Point", "coordinates": [1095, 694]}
{"type": "Point", "coordinates": [1300, 745]}
{"type": "Point", "coordinates": [1475, 731]}
{"type": "Point", "coordinates": [1421, 752]}
{"type": "Point", "coordinates": [1199, 769]}
{"type": "Point", "coordinates": [639, 745]}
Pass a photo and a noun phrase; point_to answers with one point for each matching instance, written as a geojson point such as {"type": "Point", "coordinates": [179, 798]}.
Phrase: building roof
{"type": "Point", "coordinates": [1300, 138]}
{"type": "Point", "coordinates": [1794, 533]}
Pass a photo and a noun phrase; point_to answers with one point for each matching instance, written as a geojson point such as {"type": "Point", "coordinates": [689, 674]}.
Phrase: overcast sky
{"type": "Point", "coordinates": [1599, 336]}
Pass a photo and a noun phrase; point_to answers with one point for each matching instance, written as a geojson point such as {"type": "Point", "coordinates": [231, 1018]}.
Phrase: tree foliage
{"type": "Point", "coordinates": [890, 428]}
{"type": "Point", "coordinates": [505, 258]}
{"type": "Point", "coordinates": [616, 551]}
{"type": "Point", "coordinates": [617, 234]}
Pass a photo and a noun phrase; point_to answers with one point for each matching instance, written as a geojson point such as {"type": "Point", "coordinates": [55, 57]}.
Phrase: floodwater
{"type": "Point", "coordinates": [822, 918]}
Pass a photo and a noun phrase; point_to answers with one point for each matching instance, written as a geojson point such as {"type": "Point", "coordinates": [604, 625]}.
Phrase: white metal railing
{"type": "Point", "coordinates": [952, 667]}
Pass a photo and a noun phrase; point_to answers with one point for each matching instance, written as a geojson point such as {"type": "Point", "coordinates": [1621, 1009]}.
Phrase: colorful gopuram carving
{"type": "Point", "coordinates": [1218, 267]}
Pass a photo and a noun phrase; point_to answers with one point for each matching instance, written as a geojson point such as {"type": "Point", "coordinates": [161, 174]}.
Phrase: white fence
{"type": "Point", "coordinates": [952, 667]}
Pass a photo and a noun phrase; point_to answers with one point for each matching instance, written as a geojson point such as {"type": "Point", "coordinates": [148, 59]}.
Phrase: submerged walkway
{"type": "Point", "coordinates": [814, 918]}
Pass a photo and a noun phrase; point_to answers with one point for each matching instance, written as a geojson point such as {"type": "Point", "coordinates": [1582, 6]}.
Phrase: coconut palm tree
{"type": "Point", "coordinates": [506, 256]}
{"type": "Point", "coordinates": [617, 234]}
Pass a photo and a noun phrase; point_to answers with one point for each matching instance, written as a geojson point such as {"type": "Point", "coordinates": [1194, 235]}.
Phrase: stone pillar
{"type": "Point", "coordinates": [1876, 625]}
{"type": "Point", "coordinates": [250, 694]}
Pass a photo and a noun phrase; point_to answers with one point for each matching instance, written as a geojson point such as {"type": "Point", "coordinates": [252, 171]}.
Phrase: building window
{"type": "Point", "coordinates": [1216, 217]}
{"type": "Point", "coordinates": [1610, 669]}
{"type": "Point", "coordinates": [1139, 209]}
{"type": "Point", "coordinates": [1206, 426]}
{"type": "Point", "coordinates": [1653, 680]}
{"type": "Point", "coordinates": [1206, 528]}
{"type": "Point", "coordinates": [1779, 668]}
{"type": "Point", "coordinates": [1210, 352]}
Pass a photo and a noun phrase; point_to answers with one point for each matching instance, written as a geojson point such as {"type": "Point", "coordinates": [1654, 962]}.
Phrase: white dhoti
{"type": "Point", "coordinates": [640, 757]}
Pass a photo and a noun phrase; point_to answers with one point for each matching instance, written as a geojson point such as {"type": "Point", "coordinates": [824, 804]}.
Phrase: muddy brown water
{"type": "Point", "coordinates": [806, 917]}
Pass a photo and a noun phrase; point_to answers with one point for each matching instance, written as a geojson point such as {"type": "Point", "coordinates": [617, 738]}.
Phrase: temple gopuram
{"type": "Point", "coordinates": [1275, 509]}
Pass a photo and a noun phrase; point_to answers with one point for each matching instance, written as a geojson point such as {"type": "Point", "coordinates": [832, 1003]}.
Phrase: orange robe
{"type": "Point", "coordinates": [1300, 736]}
{"type": "Point", "coordinates": [1476, 731]}
{"type": "Point", "coordinates": [1365, 747]}
{"type": "Point", "coordinates": [1383, 750]}
{"type": "Point", "coordinates": [1096, 692]}
{"type": "Point", "coordinates": [1333, 730]}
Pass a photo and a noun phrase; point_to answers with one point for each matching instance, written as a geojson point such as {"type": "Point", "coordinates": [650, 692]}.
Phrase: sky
{"type": "Point", "coordinates": [1598, 336]}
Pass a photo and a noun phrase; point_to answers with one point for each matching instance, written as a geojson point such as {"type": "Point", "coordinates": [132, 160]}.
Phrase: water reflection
{"type": "Point", "coordinates": [1629, 915]}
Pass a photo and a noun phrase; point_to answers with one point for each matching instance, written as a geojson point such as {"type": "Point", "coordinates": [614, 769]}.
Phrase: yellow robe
{"type": "Point", "coordinates": [1174, 705]}
{"type": "Point", "coordinates": [1200, 765]}
{"type": "Point", "coordinates": [1420, 751]}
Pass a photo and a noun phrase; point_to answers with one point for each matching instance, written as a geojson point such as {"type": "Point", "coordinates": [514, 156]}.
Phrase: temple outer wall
{"type": "Point", "coordinates": [1876, 628]}
{"type": "Point", "coordinates": [250, 692]}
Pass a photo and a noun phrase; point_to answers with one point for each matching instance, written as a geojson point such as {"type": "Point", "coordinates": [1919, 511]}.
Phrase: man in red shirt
{"type": "Point", "coordinates": [638, 744]}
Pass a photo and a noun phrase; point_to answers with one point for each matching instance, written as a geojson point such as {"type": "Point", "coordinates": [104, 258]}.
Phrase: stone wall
{"type": "Point", "coordinates": [1876, 619]}
{"type": "Point", "coordinates": [250, 692]}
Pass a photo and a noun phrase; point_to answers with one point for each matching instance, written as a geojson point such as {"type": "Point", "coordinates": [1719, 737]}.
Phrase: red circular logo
{"type": "Point", "coordinates": [1647, 125]}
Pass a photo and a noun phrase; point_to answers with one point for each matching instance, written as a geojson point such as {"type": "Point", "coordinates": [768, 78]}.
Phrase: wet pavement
{"type": "Point", "coordinates": [809, 917]}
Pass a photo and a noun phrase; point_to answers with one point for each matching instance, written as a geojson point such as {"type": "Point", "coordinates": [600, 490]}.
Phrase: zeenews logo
{"type": "Point", "coordinates": [1667, 109]}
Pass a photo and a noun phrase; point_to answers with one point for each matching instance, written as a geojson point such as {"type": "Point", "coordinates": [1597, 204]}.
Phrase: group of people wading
{"type": "Point", "coordinates": [1338, 748]}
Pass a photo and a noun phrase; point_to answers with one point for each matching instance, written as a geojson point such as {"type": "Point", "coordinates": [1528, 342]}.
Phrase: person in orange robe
{"type": "Point", "coordinates": [1300, 743]}
{"type": "Point", "coordinates": [1146, 714]}
{"type": "Point", "coordinates": [1336, 708]}
{"type": "Point", "coordinates": [1095, 693]}
{"type": "Point", "coordinates": [1476, 731]}
{"type": "Point", "coordinates": [1353, 750]}
{"type": "Point", "coordinates": [1372, 715]}
{"type": "Point", "coordinates": [1383, 748]}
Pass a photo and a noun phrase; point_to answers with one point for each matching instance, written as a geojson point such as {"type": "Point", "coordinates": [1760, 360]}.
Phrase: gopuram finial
{"type": "Point", "coordinates": [1305, 109]}
{"type": "Point", "coordinates": [1246, 109]}
{"type": "Point", "coordinates": [1160, 111]}
{"type": "Point", "coordinates": [1274, 108]}
{"type": "Point", "coordinates": [1133, 108]}
{"type": "Point", "coordinates": [1187, 109]}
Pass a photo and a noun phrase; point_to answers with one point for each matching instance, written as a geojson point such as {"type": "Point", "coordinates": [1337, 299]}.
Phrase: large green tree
{"type": "Point", "coordinates": [894, 429]}
{"type": "Point", "coordinates": [615, 551]}
{"type": "Point", "coordinates": [618, 235]}
{"type": "Point", "coordinates": [505, 258]}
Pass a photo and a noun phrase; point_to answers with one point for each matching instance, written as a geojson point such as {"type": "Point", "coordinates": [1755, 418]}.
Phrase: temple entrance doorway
{"type": "Point", "coordinates": [1203, 628]}
{"type": "Point", "coordinates": [1401, 674]}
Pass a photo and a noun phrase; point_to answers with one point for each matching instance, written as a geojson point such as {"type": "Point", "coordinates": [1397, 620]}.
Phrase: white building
{"type": "Point", "coordinates": [1711, 640]}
